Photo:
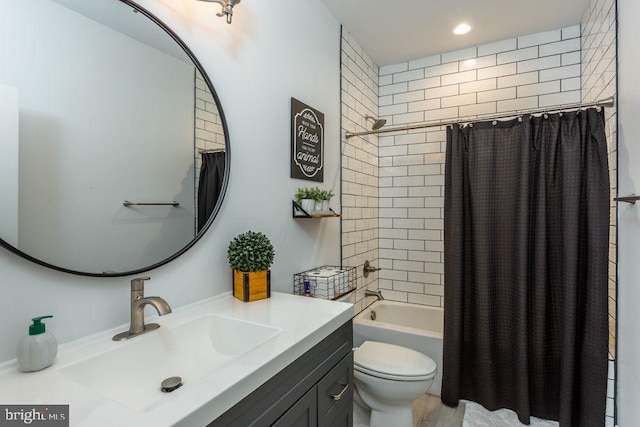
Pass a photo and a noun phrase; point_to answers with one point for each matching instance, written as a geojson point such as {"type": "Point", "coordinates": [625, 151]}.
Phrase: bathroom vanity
{"type": "Point", "coordinates": [315, 390]}
{"type": "Point", "coordinates": [285, 360]}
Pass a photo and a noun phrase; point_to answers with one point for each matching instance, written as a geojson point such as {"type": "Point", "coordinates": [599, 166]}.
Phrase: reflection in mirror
{"type": "Point", "coordinates": [100, 105]}
{"type": "Point", "coordinates": [210, 153]}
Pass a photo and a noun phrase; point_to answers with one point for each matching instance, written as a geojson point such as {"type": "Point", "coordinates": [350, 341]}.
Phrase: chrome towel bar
{"type": "Point", "coordinates": [127, 203]}
{"type": "Point", "coordinates": [631, 198]}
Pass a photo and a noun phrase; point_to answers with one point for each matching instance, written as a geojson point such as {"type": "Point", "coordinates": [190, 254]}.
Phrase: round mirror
{"type": "Point", "coordinates": [115, 154]}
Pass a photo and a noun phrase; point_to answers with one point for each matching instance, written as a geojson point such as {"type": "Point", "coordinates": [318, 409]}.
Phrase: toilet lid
{"type": "Point", "coordinates": [393, 362]}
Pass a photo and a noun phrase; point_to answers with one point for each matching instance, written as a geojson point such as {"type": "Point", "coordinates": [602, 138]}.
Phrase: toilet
{"type": "Point", "coordinates": [388, 378]}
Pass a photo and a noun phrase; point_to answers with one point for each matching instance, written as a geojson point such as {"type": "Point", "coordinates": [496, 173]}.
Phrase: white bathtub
{"type": "Point", "coordinates": [418, 327]}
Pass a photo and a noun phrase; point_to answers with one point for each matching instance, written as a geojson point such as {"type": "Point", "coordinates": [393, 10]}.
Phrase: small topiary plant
{"type": "Point", "coordinates": [250, 251]}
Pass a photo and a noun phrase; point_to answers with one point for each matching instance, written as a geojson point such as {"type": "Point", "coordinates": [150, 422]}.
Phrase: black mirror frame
{"type": "Point", "coordinates": [174, 36]}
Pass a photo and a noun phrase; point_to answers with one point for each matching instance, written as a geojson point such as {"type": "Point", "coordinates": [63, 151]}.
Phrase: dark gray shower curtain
{"type": "Point", "coordinates": [526, 256]}
{"type": "Point", "coordinates": [210, 184]}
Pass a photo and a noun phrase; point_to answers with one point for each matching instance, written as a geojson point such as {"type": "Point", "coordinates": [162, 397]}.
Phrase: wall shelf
{"type": "Point", "coordinates": [298, 212]}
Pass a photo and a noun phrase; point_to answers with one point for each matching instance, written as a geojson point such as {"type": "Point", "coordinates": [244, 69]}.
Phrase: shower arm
{"type": "Point", "coordinates": [608, 102]}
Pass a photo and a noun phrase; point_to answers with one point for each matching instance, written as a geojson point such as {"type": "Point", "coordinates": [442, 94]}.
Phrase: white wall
{"type": "Point", "coordinates": [628, 354]}
{"type": "Point", "coordinates": [267, 55]}
{"type": "Point", "coordinates": [9, 134]}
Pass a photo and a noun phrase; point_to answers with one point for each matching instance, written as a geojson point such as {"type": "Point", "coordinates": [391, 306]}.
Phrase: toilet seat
{"type": "Point", "coordinates": [393, 362]}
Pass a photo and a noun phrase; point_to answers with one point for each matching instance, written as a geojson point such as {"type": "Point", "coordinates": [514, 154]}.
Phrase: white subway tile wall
{"type": "Point", "coordinates": [598, 63]}
{"type": "Point", "coordinates": [599, 82]}
{"type": "Point", "coordinates": [360, 98]}
{"type": "Point", "coordinates": [565, 66]}
{"type": "Point", "coordinates": [611, 395]}
{"type": "Point", "coordinates": [525, 72]}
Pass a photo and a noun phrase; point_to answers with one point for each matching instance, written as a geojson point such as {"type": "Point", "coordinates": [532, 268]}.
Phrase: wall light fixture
{"type": "Point", "coordinates": [227, 7]}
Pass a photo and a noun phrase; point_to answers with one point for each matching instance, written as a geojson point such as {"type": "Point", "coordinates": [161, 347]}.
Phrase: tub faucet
{"type": "Point", "coordinates": [377, 294]}
{"type": "Point", "coordinates": [138, 302]}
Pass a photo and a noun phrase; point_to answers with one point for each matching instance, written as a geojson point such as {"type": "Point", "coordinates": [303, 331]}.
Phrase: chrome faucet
{"type": "Point", "coordinates": [138, 302]}
{"type": "Point", "coordinates": [377, 294]}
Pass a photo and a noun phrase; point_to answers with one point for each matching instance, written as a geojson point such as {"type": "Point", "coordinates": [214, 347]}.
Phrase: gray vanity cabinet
{"type": "Point", "coordinates": [335, 393]}
{"type": "Point", "coordinates": [304, 413]}
{"type": "Point", "coordinates": [314, 390]}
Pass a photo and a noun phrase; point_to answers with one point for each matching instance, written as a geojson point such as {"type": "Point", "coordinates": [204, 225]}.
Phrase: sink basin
{"type": "Point", "coordinates": [132, 372]}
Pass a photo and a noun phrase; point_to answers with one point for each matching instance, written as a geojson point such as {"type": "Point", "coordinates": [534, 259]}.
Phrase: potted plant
{"type": "Point", "coordinates": [250, 255]}
{"type": "Point", "coordinates": [305, 197]}
{"type": "Point", "coordinates": [326, 197]}
{"type": "Point", "coordinates": [316, 195]}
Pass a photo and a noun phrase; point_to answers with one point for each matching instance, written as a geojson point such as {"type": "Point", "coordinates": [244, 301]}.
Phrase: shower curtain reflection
{"type": "Point", "coordinates": [210, 185]}
{"type": "Point", "coordinates": [526, 248]}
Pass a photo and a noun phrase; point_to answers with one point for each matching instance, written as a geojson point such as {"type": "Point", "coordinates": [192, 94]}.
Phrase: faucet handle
{"type": "Point", "coordinates": [137, 284]}
{"type": "Point", "coordinates": [368, 268]}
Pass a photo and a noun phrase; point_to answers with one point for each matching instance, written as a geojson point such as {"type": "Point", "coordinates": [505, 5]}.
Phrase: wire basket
{"type": "Point", "coordinates": [327, 282]}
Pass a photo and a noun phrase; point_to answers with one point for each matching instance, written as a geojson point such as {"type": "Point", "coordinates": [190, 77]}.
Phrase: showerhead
{"type": "Point", "coordinates": [377, 123]}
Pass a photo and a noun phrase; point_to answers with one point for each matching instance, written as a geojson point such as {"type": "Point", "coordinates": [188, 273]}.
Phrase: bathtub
{"type": "Point", "coordinates": [414, 326]}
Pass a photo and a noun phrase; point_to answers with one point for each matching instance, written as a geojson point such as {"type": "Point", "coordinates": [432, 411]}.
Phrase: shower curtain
{"type": "Point", "coordinates": [526, 255]}
{"type": "Point", "coordinates": [210, 185]}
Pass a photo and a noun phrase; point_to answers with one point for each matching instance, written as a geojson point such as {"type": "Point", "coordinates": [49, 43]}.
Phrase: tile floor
{"type": "Point", "coordinates": [428, 411]}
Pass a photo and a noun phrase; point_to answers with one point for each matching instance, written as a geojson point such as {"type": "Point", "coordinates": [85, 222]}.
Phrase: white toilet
{"type": "Point", "coordinates": [388, 378]}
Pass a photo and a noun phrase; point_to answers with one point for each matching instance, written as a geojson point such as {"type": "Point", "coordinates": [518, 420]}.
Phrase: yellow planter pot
{"type": "Point", "coordinates": [251, 286]}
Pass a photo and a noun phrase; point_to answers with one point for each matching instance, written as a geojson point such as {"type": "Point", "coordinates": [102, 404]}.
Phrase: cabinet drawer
{"type": "Point", "coordinates": [335, 391]}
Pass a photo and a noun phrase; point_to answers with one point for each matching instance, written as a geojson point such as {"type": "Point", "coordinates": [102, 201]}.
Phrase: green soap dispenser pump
{"type": "Point", "coordinates": [37, 350]}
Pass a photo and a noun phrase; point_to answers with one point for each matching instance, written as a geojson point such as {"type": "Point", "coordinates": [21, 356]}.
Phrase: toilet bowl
{"type": "Point", "coordinates": [388, 378]}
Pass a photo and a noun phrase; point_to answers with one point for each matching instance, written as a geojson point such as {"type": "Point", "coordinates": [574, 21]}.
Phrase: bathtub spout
{"type": "Point", "coordinates": [377, 294]}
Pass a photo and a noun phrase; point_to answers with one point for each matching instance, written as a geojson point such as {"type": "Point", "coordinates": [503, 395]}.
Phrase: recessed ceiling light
{"type": "Point", "coordinates": [462, 29]}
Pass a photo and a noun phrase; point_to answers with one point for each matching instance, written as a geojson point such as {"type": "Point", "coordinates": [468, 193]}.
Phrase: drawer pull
{"type": "Point", "coordinates": [339, 395]}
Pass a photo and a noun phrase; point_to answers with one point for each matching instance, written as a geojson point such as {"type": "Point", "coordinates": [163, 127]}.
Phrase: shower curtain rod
{"type": "Point", "coordinates": [607, 102]}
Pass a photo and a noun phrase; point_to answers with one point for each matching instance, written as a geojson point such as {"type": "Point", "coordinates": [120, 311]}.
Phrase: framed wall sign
{"type": "Point", "coordinates": [307, 142]}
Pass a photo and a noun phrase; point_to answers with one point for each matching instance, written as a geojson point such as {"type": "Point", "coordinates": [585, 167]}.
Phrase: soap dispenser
{"type": "Point", "coordinates": [37, 350]}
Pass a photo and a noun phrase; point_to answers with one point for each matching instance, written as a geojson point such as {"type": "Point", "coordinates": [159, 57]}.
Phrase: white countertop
{"type": "Point", "coordinates": [304, 323]}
